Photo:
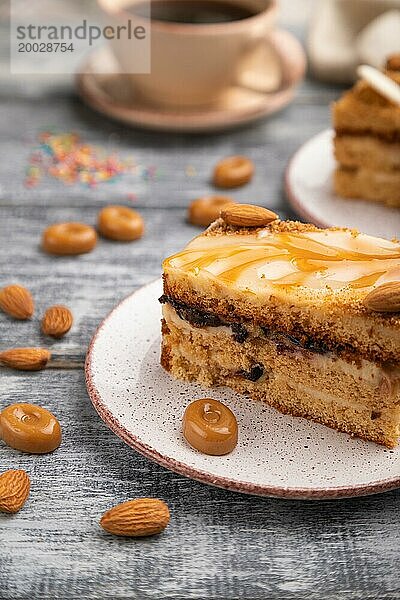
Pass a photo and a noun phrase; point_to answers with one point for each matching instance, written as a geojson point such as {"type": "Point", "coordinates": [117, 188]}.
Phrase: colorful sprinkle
{"type": "Point", "coordinates": [66, 158]}
{"type": "Point", "coordinates": [190, 171]}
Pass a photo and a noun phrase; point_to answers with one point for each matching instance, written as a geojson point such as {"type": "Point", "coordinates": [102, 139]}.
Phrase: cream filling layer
{"type": "Point", "coordinates": [373, 374]}
{"type": "Point", "coordinates": [367, 151]}
{"type": "Point", "coordinates": [377, 176]}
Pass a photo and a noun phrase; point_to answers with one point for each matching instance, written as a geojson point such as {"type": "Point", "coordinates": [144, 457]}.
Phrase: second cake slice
{"type": "Point", "coordinates": [367, 143]}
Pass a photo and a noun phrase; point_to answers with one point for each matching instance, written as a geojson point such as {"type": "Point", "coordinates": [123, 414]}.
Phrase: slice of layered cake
{"type": "Point", "coordinates": [305, 319]}
{"type": "Point", "coordinates": [367, 141]}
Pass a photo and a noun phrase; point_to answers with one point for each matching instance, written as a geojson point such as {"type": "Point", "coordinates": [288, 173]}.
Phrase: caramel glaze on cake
{"type": "Point", "coordinates": [277, 313]}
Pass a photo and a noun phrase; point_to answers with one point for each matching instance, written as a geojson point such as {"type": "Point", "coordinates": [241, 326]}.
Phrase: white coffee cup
{"type": "Point", "coordinates": [192, 64]}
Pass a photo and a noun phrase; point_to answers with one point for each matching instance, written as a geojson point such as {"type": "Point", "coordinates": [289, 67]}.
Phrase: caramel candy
{"type": "Point", "coordinates": [68, 239]}
{"type": "Point", "coordinates": [210, 427]}
{"type": "Point", "coordinates": [233, 171]}
{"type": "Point", "coordinates": [30, 428]}
{"type": "Point", "coordinates": [203, 211]}
{"type": "Point", "coordinates": [120, 223]}
{"type": "Point", "coordinates": [393, 62]}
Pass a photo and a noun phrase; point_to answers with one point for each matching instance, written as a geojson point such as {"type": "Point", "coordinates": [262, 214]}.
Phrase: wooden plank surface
{"type": "Point", "coordinates": [269, 143]}
{"type": "Point", "coordinates": [219, 545]}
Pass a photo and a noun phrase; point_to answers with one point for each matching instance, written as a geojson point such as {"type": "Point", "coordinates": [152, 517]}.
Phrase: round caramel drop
{"type": "Point", "coordinates": [393, 62]}
{"type": "Point", "coordinates": [30, 428]}
{"type": "Point", "coordinates": [210, 427]}
{"type": "Point", "coordinates": [65, 239]}
{"type": "Point", "coordinates": [120, 223]}
{"type": "Point", "coordinates": [233, 171]}
{"type": "Point", "coordinates": [203, 211]}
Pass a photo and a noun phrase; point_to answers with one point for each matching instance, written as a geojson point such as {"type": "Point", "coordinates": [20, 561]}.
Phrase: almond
{"type": "Point", "coordinates": [17, 301]}
{"type": "Point", "coordinates": [14, 490]}
{"type": "Point", "coordinates": [247, 215]}
{"type": "Point", "coordinates": [57, 321]}
{"type": "Point", "coordinates": [385, 298]}
{"type": "Point", "coordinates": [25, 359]}
{"type": "Point", "coordinates": [136, 518]}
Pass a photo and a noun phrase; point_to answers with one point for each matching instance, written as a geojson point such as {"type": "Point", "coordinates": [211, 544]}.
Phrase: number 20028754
{"type": "Point", "coordinates": [46, 47]}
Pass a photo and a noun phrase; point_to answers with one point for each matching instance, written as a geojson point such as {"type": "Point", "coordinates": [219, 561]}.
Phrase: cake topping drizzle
{"type": "Point", "coordinates": [317, 259]}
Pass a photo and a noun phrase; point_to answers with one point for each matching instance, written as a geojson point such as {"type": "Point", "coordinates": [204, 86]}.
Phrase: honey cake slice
{"type": "Point", "coordinates": [367, 142]}
{"type": "Point", "coordinates": [279, 313]}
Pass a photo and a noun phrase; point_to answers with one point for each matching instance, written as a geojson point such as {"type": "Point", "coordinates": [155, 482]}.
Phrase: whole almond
{"type": "Point", "coordinates": [57, 321]}
{"type": "Point", "coordinates": [25, 359]}
{"type": "Point", "coordinates": [385, 298]}
{"type": "Point", "coordinates": [15, 486]}
{"type": "Point", "coordinates": [136, 518]}
{"type": "Point", "coordinates": [17, 301]}
{"type": "Point", "coordinates": [247, 215]}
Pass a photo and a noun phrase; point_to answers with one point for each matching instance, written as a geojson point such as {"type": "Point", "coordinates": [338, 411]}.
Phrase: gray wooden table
{"type": "Point", "coordinates": [219, 545]}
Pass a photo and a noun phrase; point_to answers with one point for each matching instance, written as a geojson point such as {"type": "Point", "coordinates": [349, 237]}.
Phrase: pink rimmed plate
{"type": "Point", "coordinates": [277, 455]}
{"type": "Point", "coordinates": [309, 187]}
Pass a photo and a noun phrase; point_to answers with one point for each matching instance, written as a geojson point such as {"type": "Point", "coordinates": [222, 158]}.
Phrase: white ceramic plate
{"type": "Point", "coordinates": [310, 192]}
{"type": "Point", "coordinates": [277, 455]}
